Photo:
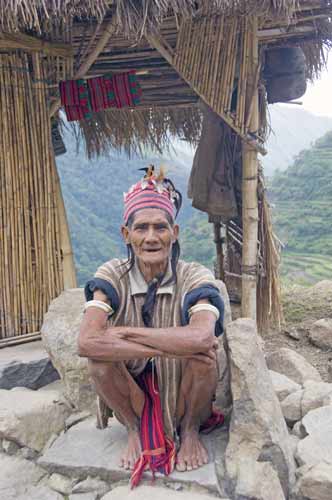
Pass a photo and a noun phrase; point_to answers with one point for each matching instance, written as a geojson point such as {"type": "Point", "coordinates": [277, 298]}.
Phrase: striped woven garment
{"type": "Point", "coordinates": [75, 99]}
{"type": "Point", "coordinates": [158, 451]}
{"type": "Point", "coordinates": [80, 97]}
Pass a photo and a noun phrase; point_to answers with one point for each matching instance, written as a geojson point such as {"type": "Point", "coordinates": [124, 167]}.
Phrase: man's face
{"type": "Point", "coordinates": [151, 236]}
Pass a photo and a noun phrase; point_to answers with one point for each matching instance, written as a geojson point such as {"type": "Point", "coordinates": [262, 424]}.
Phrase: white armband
{"type": "Point", "coordinates": [204, 307]}
{"type": "Point", "coordinates": [100, 305]}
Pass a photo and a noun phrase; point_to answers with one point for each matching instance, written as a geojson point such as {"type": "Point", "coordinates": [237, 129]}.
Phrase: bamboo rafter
{"type": "Point", "coordinates": [13, 41]}
{"type": "Point", "coordinates": [211, 55]}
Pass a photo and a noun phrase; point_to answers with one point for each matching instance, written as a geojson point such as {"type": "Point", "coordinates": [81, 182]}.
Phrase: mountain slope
{"type": "Point", "coordinates": [293, 129]}
{"type": "Point", "coordinates": [303, 212]}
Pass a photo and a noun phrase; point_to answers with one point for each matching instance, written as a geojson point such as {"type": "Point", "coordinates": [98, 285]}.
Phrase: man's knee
{"type": "Point", "coordinates": [202, 369]}
{"type": "Point", "coordinates": [100, 370]}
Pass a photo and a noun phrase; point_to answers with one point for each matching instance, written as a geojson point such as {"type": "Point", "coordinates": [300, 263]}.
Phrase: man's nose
{"type": "Point", "coordinates": [151, 234]}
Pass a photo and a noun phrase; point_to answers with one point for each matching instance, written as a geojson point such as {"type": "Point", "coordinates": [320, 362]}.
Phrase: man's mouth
{"type": "Point", "coordinates": [152, 250]}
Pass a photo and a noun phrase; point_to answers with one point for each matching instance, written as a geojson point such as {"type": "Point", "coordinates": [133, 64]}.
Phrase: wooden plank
{"type": "Point", "coordinates": [14, 41]}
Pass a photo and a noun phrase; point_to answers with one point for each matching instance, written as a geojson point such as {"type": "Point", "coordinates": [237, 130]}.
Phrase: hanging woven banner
{"type": "Point", "coordinates": [81, 97]}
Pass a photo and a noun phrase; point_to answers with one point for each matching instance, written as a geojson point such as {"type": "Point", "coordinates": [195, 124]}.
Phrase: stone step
{"type": "Point", "coordinates": [85, 451]}
{"type": "Point", "coordinates": [27, 365]}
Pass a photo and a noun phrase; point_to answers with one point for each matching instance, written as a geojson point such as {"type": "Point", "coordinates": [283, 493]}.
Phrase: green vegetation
{"type": "Point", "coordinates": [302, 197]}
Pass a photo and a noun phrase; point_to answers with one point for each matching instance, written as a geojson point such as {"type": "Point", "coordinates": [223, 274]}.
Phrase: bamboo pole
{"type": "Point", "coordinates": [218, 240]}
{"type": "Point", "coordinates": [249, 189]}
{"type": "Point", "coordinates": [69, 273]}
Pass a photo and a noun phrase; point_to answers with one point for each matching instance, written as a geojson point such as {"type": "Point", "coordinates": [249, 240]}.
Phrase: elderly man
{"type": "Point", "coordinates": [149, 333]}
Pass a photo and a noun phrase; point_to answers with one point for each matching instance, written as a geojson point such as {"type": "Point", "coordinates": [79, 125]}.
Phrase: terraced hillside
{"type": "Point", "coordinates": [302, 198]}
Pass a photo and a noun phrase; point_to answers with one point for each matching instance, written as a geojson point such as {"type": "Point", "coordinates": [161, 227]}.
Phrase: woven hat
{"type": "Point", "coordinates": [153, 191]}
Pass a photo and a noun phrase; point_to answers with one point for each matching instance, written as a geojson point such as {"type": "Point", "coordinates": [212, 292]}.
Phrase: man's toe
{"type": "Point", "coordinates": [181, 465]}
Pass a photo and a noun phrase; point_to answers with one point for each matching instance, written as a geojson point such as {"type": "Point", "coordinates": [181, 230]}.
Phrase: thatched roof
{"type": "Point", "coordinates": [81, 25]}
{"type": "Point", "coordinates": [131, 15]}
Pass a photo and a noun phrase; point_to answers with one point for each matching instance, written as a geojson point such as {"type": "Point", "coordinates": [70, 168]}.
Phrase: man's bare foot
{"type": "Point", "coordinates": [132, 451]}
{"type": "Point", "coordinates": [192, 454]}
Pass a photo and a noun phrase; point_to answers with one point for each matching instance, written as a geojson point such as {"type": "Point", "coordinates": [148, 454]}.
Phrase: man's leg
{"type": "Point", "coordinates": [118, 389]}
{"type": "Point", "coordinates": [198, 386]}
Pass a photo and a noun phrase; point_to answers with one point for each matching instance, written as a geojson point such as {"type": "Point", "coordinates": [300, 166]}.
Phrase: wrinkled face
{"type": "Point", "coordinates": [151, 236]}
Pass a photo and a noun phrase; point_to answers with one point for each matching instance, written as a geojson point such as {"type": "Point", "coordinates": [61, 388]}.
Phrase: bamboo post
{"type": "Point", "coordinates": [69, 272]}
{"type": "Point", "coordinates": [249, 188]}
{"type": "Point", "coordinates": [218, 240]}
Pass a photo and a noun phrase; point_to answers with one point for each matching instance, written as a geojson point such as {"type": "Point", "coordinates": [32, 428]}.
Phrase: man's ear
{"type": "Point", "coordinates": [176, 231]}
{"type": "Point", "coordinates": [125, 234]}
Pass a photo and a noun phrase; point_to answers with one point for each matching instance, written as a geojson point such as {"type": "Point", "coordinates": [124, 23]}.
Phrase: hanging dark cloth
{"type": "Point", "coordinates": [211, 183]}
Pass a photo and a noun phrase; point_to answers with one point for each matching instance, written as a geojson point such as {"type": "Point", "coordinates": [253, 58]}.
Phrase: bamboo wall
{"type": "Point", "coordinates": [31, 268]}
{"type": "Point", "coordinates": [212, 55]}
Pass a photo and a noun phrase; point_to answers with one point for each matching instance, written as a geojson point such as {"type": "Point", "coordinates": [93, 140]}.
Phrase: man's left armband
{"type": "Point", "coordinates": [212, 294]}
{"type": "Point", "coordinates": [204, 307]}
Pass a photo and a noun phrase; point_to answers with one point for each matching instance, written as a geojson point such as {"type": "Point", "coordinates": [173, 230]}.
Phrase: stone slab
{"type": "Point", "coordinates": [17, 476]}
{"type": "Point", "coordinates": [26, 365]}
{"type": "Point", "coordinates": [85, 451]}
{"type": "Point", "coordinates": [156, 492]}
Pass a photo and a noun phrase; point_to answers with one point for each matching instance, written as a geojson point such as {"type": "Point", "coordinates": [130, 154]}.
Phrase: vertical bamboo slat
{"type": "Point", "coordinates": [31, 270]}
{"type": "Point", "coordinates": [205, 56]}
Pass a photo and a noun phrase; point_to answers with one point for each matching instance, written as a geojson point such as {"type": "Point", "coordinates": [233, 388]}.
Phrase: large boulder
{"type": "Point", "coordinates": [26, 365]}
{"type": "Point", "coordinates": [291, 407]}
{"type": "Point", "coordinates": [316, 483]}
{"type": "Point", "coordinates": [299, 403]}
{"type": "Point", "coordinates": [282, 385]}
{"type": "Point", "coordinates": [258, 436]}
{"type": "Point", "coordinates": [320, 333]}
{"type": "Point", "coordinates": [29, 417]}
{"type": "Point", "coordinates": [60, 331]}
{"type": "Point", "coordinates": [317, 446]}
{"type": "Point", "coordinates": [315, 394]}
{"type": "Point", "coordinates": [293, 365]}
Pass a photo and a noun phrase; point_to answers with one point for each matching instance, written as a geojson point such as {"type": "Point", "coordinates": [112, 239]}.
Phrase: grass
{"type": "Point", "coordinates": [305, 268]}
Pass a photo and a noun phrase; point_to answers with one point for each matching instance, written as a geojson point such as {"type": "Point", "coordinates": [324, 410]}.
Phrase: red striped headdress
{"type": "Point", "coordinates": [153, 191]}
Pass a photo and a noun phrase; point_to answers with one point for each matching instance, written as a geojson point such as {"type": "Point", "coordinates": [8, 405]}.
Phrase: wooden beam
{"type": "Point", "coordinates": [249, 191]}
{"type": "Point", "coordinates": [91, 58]}
{"type": "Point", "coordinates": [14, 41]}
{"type": "Point", "coordinates": [19, 339]}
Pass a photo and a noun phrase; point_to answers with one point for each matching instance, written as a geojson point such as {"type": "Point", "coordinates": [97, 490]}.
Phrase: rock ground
{"type": "Point", "coordinates": [310, 441]}
{"type": "Point", "coordinates": [86, 451]}
{"type": "Point", "coordinates": [303, 306]}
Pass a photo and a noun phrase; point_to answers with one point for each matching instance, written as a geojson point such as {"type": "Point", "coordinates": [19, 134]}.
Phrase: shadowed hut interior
{"type": "Point", "coordinates": [206, 70]}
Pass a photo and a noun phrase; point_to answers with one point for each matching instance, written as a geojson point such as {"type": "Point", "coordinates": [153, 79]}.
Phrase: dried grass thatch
{"type": "Point", "coordinates": [134, 131]}
{"type": "Point", "coordinates": [269, 307]}
{"type": "Point", "coordinates": [316, 48]}
{"type": "Point", "coordinates": [134, 16]}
